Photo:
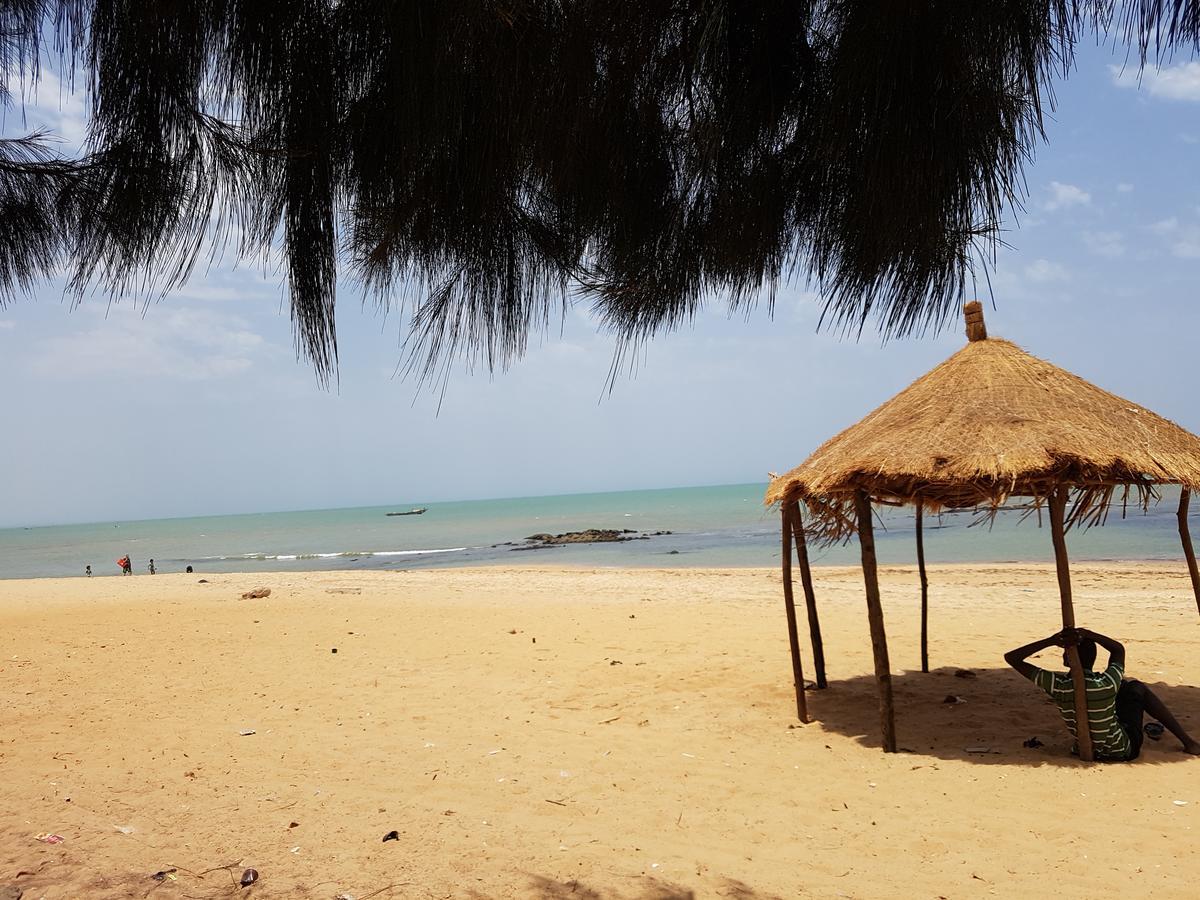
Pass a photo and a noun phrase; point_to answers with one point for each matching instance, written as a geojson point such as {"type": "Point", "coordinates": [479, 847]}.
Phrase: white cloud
{"type": "Point", "coordinates": [1064, 196]}
{"type": "Point", "coordinates": [1182, 239]}
{"type": "Point", "coordinates": [217, 293]}
{"type": "Point", "coordinates": [1181, 82]}
{"type": "Point", "coordinates": [55, 107]}
{"type": "Point", "coordinates": [185, 343]}
{"type": "Point", "coordinates": [802, 307]}
{"type": "Point", "coordinates": [1124, 188]}
{"type": "Point", "coordinates": [1105, 243]}
{"type": "Point", "coordinates": [1042, 271]}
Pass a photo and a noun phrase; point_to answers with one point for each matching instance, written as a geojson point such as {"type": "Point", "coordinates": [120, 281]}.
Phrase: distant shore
{"type": "Point", "coordinates": [567, 731]}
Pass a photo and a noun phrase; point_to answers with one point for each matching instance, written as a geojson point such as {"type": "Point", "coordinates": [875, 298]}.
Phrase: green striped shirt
{"type": "Point", "coordinates": [1109, 739]}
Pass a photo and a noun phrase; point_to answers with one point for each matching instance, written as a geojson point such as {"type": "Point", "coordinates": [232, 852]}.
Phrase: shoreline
{"type": "Point", "coordinates": [506, 566]}
{"type": "Point", "coordinates": [547, 732]}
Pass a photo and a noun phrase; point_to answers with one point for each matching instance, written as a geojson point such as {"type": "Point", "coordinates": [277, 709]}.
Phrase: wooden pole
{"type": "Point", "coordinates": [883, 673]}
{"type": "Point", "coordinates": [1083, 732]}
{"type": "Point", "coordinates": [790, 605]}
{"type": "Point", "coordinates": [924, 589]}
{"type": "Point", "coordinates": [810, 597]}
{"type": "Point", "coordinates": [1186, 538]}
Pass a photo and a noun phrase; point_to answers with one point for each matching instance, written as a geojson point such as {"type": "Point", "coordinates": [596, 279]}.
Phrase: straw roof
{"type": "Point", "coordinates": [990, 423]}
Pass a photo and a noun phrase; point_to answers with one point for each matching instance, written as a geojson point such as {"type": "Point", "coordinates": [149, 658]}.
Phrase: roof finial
{"type": "Point", "coordinates": [973, 313]}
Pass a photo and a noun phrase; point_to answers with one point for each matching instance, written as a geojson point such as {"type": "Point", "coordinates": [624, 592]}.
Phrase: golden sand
{"type": "Point", "coordinates": [572, 733]}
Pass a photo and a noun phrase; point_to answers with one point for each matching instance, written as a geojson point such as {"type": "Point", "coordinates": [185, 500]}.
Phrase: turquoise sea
{"type": "Point", "coordinates": [718, 526]}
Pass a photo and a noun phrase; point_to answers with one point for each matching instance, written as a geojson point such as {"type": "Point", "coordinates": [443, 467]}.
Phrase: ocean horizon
{"type": "Point", "coordinates": [717, 526]}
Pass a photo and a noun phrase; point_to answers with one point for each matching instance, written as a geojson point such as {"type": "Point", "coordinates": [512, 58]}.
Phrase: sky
{"type": "Point", "coordinates": [198, 404]}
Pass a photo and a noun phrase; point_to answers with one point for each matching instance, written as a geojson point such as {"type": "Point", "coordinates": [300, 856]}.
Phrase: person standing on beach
{"type": "Point", "coordinates": [1116, 704]}
{"type": "Point", "coordinates": [151, 567]}
{"type": "Point", "coordinates": [126, 565]}
{"type": "Point", "coordinates": [88, 571]}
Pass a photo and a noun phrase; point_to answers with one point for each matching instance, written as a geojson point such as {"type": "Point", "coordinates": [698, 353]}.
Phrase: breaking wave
{"type": "Point", "coordinates": [345, 554]}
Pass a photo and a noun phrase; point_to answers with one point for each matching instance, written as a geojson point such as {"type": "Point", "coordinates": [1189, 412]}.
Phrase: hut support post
{"type": "Point", "coordinates": [810, 597]}
{"type": "Point", "coordinates": [1186, 538]}
{"type": "Point", "coordinates": [1058, 507]}
{"type": "Point", "coordinates": [883, 674]}
{"type": "Point", "coordinates": [790, 606]}
{"type": "Point", "coordinates": [924, 588]}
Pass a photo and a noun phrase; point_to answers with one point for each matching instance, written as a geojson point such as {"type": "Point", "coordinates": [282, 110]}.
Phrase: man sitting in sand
{"type": "Point", "coordinates": [1115, 704]}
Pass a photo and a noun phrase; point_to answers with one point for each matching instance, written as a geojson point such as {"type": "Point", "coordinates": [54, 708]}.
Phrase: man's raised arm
{"type": "Point", "coordinates": [1016, 658]}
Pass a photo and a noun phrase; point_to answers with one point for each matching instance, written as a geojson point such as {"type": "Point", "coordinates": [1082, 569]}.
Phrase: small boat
{"type": "Point", "coordinates": [412, 512]}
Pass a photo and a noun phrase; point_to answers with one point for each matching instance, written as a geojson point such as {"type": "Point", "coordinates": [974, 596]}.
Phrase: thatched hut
{"type": "Point", "coordinates": [990, 424]}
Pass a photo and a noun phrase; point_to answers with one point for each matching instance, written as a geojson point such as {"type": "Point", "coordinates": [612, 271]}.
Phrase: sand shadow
{"type": "Point", "coordinates": [999, 711]}
{"type": "Point", "coordinates": [642, 888]}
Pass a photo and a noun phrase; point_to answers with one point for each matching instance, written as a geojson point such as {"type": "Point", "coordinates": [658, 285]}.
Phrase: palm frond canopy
{"type": "Point", "coordinates": [990, 423]}
{"type": "Point", "coordinates": [492, 157]}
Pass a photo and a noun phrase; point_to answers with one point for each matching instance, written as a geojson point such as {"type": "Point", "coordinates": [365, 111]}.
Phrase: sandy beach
{"type": "Point", "coordinates": [574, 733]}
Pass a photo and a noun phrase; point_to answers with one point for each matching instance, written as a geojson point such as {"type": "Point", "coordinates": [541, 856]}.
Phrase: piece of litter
{"type": "Point", "coordinates": [494, 752]}
{"type": "Point", "coordinates": [344, 897]}
{"type": "Point", "coordinates": [47, 838]}
{"type": "Point", "coordinates": [871, 784]}
{"type": "Point", "coordinates": [690, 755]}
{"type": "Point", "coordinates": [295, 850]}
{"type": "Point", "coordinates": [249, 877]}
{"type": "Point", "coordinates": [654, 865]}
{"type": "Point", "coordinates": [246, 732]}
{"type": "Point", "coordinates": [606, 721]}
{"type": "Point", "coordinates": [395, 835]}
{"type": "Point", "coordinates": [1179, 802]}
{"type": "Point", "coordinates": [124, 829]}
{"type": "Point", "coordinates": [980, 750]}
{"type": "Point", "coordinates": [563, 773]}
{"type": "Point", "coordinates": [953, 698]}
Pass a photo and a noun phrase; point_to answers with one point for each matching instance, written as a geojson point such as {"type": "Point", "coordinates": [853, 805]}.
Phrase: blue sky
{"type": "Point", "coordinates": [198, 404]}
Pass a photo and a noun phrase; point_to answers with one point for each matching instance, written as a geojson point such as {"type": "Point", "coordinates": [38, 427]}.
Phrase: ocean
{"type": "Point", "coordinates": [721, 526]}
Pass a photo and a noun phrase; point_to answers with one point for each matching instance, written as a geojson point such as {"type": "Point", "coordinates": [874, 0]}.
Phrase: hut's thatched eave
{"type": "Point", "coordinates": [991, 423]}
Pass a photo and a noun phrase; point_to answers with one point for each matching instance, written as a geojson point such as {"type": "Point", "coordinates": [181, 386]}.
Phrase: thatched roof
{"type": "Point", "coordinates": [990, 423]}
